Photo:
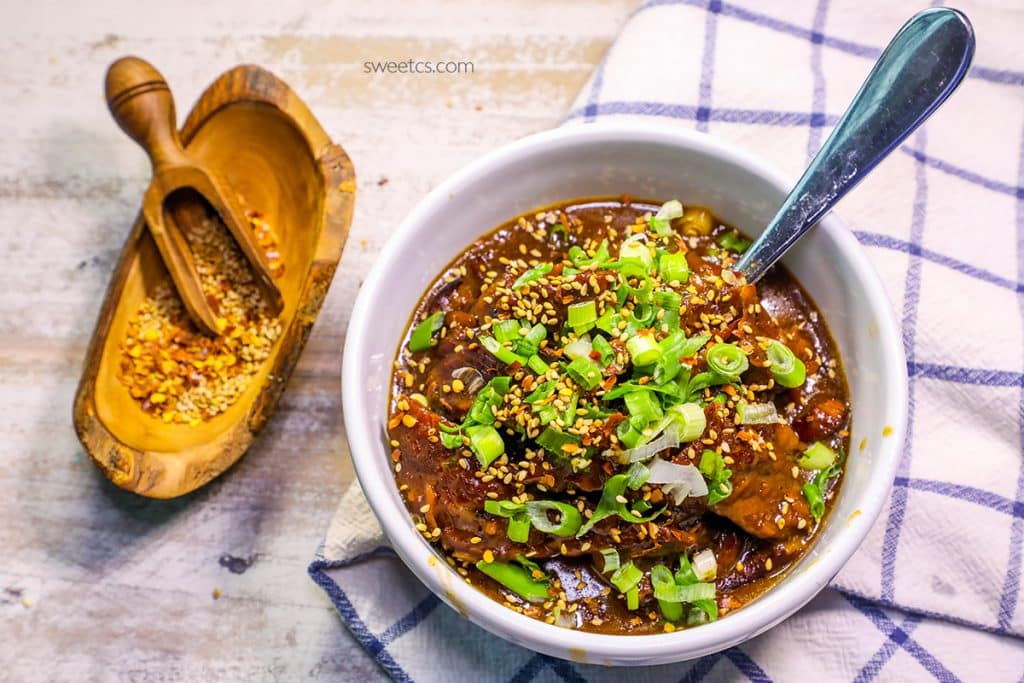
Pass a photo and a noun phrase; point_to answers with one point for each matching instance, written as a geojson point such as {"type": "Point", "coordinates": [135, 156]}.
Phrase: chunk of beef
{"type": "Point", "coordinates": [455, 497]}
{"type": "Point", "coordinates": [766, 501]}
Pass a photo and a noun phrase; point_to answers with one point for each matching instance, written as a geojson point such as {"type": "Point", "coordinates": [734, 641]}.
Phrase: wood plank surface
{"type": "Point", "coordinates": [99, 584]}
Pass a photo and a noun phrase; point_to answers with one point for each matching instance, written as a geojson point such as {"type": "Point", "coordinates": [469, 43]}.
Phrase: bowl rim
{"type": "Point", "coordinates": [772, 607]}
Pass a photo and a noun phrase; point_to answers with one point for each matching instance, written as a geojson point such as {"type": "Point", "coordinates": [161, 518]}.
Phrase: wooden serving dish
{"type": "Point", "coordinates": [271, 150]}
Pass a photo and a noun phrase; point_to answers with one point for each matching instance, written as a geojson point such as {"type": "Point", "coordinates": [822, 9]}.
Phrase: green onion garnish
{"type": "Point", "coordinates": [528, 345]}
{"type": "Point", "coordinates": [537, 364]}
{"type": "Point", "coordinates": [690, 419]}
{"type": "Point", "coordinates": [569, 517]}
{"type": "Point", "coordinates": [732, 241]}
{"type": "Point", "coordinates": [542, 392]}
{"type": "Point", "coordinates": [506, 330]}
{"type": "Point", "coordinates": [609, 504]}
{"type": "Point", "coordinates": [517, 579]}
{"type": "Point", "coordinates": [422, 337]}
{"type": "Point", "coordinates": [674, 268]}
{"type": "Point", "coordinates": [818, 456]}
{"type": "Point", "coordinates": [661, 222]}
{"type": "Point", "coordinates": [626, 576]}
{"type": "Point", "coordinates": [532, 275]}
{"type": "Point", "coordinates": [727, 360]}
{"type": "Point", "coordinates": [788, 370]}
{"type": "Point", "coordinates": [553, 441]}
{"type": "Point", "coordinates": [644, 349]}
{"type": "Point", "coordinates": [503, 354]}
{"type": "Point", "coordinates": [628, 435]}
{"type": "Point", "coordinates": [756, 413]}
{"type": "Point", "coordinates": [611, 559]}
{"type": "Point", "coordinates": [633, 598]}
{"type": "Point", "coordinates": [519, 529]}
{"type": "Point", "coordinates": [584, 373]}
{"type": "Point", "coordinates": [487, 400]}
{"type": "Point", "coordinates": [643, 408]}
{"type": "Point", "coordinates": [712, 466]}
{"type": "Point", "coordinates": [816, 489]}
{"type": "Point", "coordinates": [601, 345]}
{"type": "Point", "coordinates": [673, 592]}
{"type": "Point", "coordinates": [669, 302]}
{"type": "Point", "coordinates": [582, 316]}
{"type": "Point", "coordinates": [486, 443]}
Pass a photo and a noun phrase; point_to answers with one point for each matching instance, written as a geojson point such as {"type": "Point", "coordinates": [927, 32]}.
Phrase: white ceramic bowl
{"type": "Point", "coordinates": [651, 161]}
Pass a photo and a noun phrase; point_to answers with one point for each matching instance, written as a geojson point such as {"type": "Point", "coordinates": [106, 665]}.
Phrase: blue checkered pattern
{"type": "Point", "coordinates": [935, 591]}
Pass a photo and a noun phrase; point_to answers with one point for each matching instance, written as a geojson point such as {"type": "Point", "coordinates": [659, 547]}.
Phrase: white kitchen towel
{"type": "Point", "coordinates": [936, 588]}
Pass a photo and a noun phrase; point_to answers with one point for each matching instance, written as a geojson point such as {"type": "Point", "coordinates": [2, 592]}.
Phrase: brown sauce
{"type": "Point", "coordinates": [759, 530]}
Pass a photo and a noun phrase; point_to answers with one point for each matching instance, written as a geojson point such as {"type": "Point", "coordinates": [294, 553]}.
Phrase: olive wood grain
{"type": "Point", "coordinates": [266, 145]}
{"type": "Point", "coordinates": [141, 103]}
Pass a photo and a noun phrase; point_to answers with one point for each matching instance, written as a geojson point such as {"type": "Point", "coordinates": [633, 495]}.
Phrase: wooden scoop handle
{"type": "Point", "coordinates": [141, 103]}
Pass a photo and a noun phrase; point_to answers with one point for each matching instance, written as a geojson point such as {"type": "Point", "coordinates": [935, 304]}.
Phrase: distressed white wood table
{"type": "Point", "coordinates": [99, 584]}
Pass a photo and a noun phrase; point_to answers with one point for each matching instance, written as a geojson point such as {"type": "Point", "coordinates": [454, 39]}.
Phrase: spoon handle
{"type": "Point", "coordinates": [919, 69]}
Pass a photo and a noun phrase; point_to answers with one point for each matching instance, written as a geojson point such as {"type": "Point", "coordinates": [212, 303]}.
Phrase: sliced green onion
{"type": "Point", "coordinates": [727, 360]}
{"type": "Point", "coordinates": [486, 443]}
{"type": "Point", "coordinates": [628, 435]}
{"type": "Point", "coordinates": [673, 592]}
{"type": "Point", "coordinates": [712, 466]}
{"type": "Point", "coordinates": [503, 508]}
{"type": "Point", "coordinates": [643, 349]}
{"type": "Point", "coordinates": [636, 248]}
{"type": "Point", "coordinates": [569, 414]}
{"type": "Point", "coordinates": [601, 345]}
{"type": "Point", "coordinates": [532, 275]}
{"type": "Point", "coordinates": [547, 414]}
{"type": "Point", "coordinates": [422, 337]}
{"type": "Point", "coordinates": [702, 381]}
{"type": "Point", "coordinates": [788, 370]}
{"type": "Point", "coordinates": [686, 574]}
{"type": "Point", "coordinates": [815, 500]}
{"type": "Point", "coordinates": [732, 241]}
{"type": "Point", "coordinates": [669, 302]}
{"type": "Point", "coordinates": [818, 456]}
{"type": "Point", "coordinates": [503, 354]}
{"type": "Point", "coordinates": [530, 565]}
{"type": "Point", "coordinates": [519, 529]}
{"type": "Point", "coordinates": [637, 475]}
{"type": "Point", "coordinates": [633, 598]}
{"type": "Point", "coordinates": [530, 343]}
{"type": "Point", "coordinates": [506, 330]}
{"type": "Point", "coordinates": [643, 407]}
{"type": "Point", "coordinates": [609, 504]}
{"type": "Point", "coordinates": [569, 517]}
{"type": "Point", "coordinates": [674, 268]}
{"type": "Point", "coordinates": [582, 316]}
{"type": "Point", "coordinates": [537, 364]}
{"type": "Point", "coordinates": [690, 419]}
{"type": "Point", "coordinates": [661, 222]}
{"type": "Point", "coordinates": [756, 413]}
{"type": "Point", "coordinates": [611, 559]}
{"type": "Point", "coordinates": [626, 576]}
{"type": "Point", "coordinates": [515, 578]}
{"type": "Point", "coordinates": [553, 440]}
{"type": "Point", "coordinates": [584, 373]}
{"type": "Point", "coordinates": [487, 400]}
{"type": "Point", "coordinates": [542, 392]}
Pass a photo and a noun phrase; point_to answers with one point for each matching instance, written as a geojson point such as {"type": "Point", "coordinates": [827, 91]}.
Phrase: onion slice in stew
{"type": "Point", "coordinates": [680, 481]}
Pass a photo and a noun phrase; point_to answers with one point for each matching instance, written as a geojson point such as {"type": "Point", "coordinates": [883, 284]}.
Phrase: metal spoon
{"type": "Point", "coordinates": [920, 68]}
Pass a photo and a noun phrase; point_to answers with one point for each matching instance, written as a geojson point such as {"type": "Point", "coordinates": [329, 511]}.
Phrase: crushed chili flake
{"type": "Point", "coordinates": [178, 374]}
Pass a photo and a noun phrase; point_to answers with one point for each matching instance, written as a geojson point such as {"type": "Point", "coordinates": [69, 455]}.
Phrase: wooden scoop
{"type": "Point", "coordinates": [141, 103]}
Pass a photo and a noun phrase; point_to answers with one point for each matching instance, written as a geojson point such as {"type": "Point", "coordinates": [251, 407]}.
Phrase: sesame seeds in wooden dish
{"type": "Point", "coordinates": [162, 409]}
